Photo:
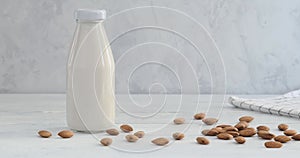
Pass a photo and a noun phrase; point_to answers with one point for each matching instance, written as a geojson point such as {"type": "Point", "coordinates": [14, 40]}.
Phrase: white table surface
{"type": "Point", "coordinates": [23, 115]}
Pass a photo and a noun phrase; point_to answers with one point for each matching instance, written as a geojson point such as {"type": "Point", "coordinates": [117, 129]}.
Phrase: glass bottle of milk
{"type": "Point", "coordinates": [90, 75]}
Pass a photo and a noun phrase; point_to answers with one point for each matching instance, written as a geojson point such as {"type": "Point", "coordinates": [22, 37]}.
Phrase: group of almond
{"type": "Point", "coordinates": [139, 134]}
{"type": "Point", "coordinates": [242, 129]}
{"type": "Point", "coordinates": [62, 134]}
{"type": "Point", "coordinates": [125, 128]}
{"type": "Point", "coordinates": [223, 131]}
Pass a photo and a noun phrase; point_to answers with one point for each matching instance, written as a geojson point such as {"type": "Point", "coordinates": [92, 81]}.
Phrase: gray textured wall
{"type": "Point", "coordinates": [258, 42]}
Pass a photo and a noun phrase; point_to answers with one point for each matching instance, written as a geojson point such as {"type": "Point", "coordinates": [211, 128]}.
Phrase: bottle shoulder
{"type": "Point", "coordinates": [89, 43]}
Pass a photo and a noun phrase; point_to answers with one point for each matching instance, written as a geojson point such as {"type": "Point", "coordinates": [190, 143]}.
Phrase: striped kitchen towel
{"type": "Point", "coordinates": [287, 104]}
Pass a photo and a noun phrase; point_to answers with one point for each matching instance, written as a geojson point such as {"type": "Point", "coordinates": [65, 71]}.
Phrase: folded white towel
{"type": "Point", "coordinates": [287, 104]}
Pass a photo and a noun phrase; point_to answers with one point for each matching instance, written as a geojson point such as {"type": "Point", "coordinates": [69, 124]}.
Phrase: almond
{"type": "Point", "coordinates": [248, 132]}
{"type": "Point", "coordinates": [202, 140]}
{"type": "Point", "coordinates": [224, 125]}
{"type": "Point", "coordinates": [283, 127]}
{"type": "Point", "coordinates": [210, 121]}
{"type": "Point", "coordinates": [45, 134]}
{"type": "Point", "coordinates": [179, 121]}
{"type": "Point", "coordinates": [262, 128]}
{"type": "Point", "coordinates": [240, 140]}
{"type": "Point", "coordinates": [199, 116]}
{"type": "Point", "coordinates": [282, 138]}
{"type": "Point", "coordinates": [178, 136]}
{"type": "Point", "coordinates": [224, 136]}
{"type": "Point", "coordinates": [290, 132]}
{"type": "Point", "coordinates": [241, 125]}
{"type": "Point", "coordinates": [66, 134]}
{"type": "Point", "coordinates": [212, 132]}
{"type": "Point", "coordinates": [296, 137]}
{"type": "Point", "coordinates": [106, 141]}
{"type": "Point", "coordinates": [230, 129]}
{"type": "Point", "coordinates": [272, 144]}
{"type": "Point", "coordinates": [205, 131]}
{"type": "Point", "coordinates": [233, 133]}
{"type": "Point", "coordinates": [112, 132]}
{"type": "Point", "coordinates": [139, 134]}
{"type": "Point", "coordinates": [160, 141]}
{"type": "Point", "coordinates": [259, 133]}
{"type": "Point", "coordinates": [219, 129]}
{"type": "Point", "coordinates": [126, 128]}
{"type": "Point", "coordinates": [246, 118]}
{"type": "Point", "coordinates": [267, 135]}
{"type": "Point", "coordinates": [131, 138]}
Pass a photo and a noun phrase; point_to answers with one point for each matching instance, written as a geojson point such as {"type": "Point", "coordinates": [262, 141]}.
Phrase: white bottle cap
{"type": "Point", "coordinates": [89, 14]}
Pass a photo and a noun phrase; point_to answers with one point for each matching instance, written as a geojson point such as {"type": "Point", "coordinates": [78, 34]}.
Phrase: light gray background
{"type": "Point", "coordinates": [259, 43]}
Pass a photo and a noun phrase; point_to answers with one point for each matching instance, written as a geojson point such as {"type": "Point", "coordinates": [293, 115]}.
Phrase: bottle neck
{"type": "Point", "coordinates": [87, 27]}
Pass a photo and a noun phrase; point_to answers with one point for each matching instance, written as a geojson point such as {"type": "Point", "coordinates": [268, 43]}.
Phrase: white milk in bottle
{"type": "Point", "coordinates": [90, 75]}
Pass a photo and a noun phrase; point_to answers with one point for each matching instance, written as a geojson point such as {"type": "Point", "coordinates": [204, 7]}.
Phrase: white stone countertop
{"type": "Point", "coordinates": [23, 115]}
